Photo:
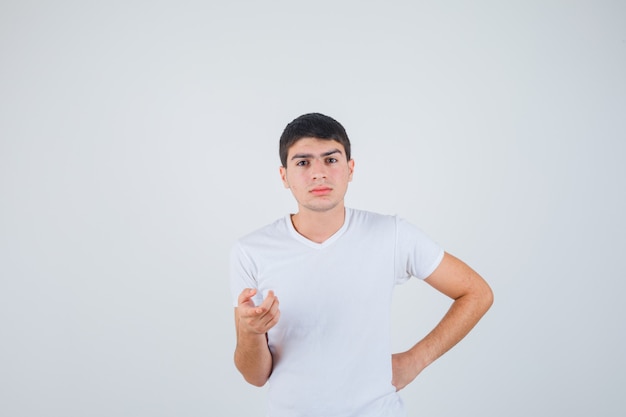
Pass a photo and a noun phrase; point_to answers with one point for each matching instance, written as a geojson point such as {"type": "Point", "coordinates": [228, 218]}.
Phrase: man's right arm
{"type": "Point", "coordinates": [252, 354]}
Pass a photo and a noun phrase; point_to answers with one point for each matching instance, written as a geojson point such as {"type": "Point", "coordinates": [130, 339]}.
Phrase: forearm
{"type": "Point", "coordinates": [472, 298]}
{"type": "Point", "coordinates": [466, 310]}
{"type": "Point", "coordinates": [253, 358]}
{"type": "Point", "coordinates": [462, 316]}
{"type": "Point", "coordinates": [252, 353]}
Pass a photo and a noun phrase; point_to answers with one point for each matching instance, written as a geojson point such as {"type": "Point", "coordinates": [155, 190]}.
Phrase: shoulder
{"type": "Point", "coordinates": [364, 216]}
{"type": "Point", "coordinates": [275, 230]}
{"type": "Point", "coordinates": [370, 222]}
{"type": "Point", "coordinates": [371, 219]}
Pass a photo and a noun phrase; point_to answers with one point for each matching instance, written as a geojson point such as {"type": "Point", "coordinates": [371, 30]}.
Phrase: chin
{"type": "Point", "coordinates": [320, 208]}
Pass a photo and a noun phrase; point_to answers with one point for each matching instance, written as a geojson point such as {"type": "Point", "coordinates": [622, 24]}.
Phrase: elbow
{"type": "Point", "coordinates": [257, 382]}
{"type": "Point", "coordinates": [487, 297]}
{"type": "Point", "coordinates": [256, 379]}
{"type": "Point", "coordinates": [481, 297]}
{"type": "Point", "coordinates": [251, 375]}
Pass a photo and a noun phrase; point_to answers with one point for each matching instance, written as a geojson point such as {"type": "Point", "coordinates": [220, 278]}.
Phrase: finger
{"type": "Point", "coordinates": [272, 318]}
{"type": "Point", "coordinates": [260, 319]}
{"type": "Point", "coordinates": [247, 309]}
{"type": "Point", "coordinates": [246, 295]}
{"type": "Point", "coordinates": [267, 304]}
{"type": "Point", "coordinates": [269, 317]}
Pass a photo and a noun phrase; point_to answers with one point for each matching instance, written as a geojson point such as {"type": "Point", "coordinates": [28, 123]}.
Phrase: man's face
{"type": "Point", "coordinates": [317, 173]}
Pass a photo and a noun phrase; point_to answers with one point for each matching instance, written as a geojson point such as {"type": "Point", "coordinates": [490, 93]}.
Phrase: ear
{"type": "Point", "coordinates": [351, 168]}
{"type": "Point", "coordinates": [283, 176]}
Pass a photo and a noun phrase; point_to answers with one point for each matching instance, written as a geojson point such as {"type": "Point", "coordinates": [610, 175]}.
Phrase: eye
{"type": "Point", "coordinates": [302, 163]}
{"type": "Point", "coordinates": [331, 160]}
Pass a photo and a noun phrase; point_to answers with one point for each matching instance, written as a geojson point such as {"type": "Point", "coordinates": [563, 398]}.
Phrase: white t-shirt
{"type": "Point", "coordinates": [331, 347]}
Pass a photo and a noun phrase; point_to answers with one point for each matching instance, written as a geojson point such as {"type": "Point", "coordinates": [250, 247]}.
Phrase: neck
{"type": "Point", "coordinates": [317, 226]}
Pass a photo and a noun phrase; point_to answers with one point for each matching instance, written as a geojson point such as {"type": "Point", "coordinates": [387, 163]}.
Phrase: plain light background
{"type": "Point", "coordinates": [138, 140]}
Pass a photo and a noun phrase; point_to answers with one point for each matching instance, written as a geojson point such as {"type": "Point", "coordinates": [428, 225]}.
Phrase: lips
{"type": "Point", "coordinates": [321, 190]}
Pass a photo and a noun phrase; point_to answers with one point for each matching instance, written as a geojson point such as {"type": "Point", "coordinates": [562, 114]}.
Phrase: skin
{"type": "Point", "coordinates": [318, 173]}
{"type": "Point", "coordinates": [252, 355]}
{"type": "Point", "coordinates": [472, 298]}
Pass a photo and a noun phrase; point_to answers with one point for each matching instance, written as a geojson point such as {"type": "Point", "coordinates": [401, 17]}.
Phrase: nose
{"type": "Point", "coordinates": [319, 169]}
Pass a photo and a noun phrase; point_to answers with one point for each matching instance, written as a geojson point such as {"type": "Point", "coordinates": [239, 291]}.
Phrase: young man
{"type": "Point", "coordinates": [325, 346]}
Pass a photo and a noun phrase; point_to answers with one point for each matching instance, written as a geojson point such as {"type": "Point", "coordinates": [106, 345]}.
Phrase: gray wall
{"type": "Point", "coordinates": [138, 140]}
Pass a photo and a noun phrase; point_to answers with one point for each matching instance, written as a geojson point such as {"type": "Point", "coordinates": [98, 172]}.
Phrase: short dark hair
{"type": "Point", "coordinates": [312, 125]}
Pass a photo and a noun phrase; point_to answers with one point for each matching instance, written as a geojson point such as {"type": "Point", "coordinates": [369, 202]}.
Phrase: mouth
{"type": "Point", "coordinates": [321, 190]}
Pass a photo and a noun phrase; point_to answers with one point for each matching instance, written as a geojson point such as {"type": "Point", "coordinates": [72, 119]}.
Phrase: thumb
{"type": "Point", "coordinates": [246, 295]}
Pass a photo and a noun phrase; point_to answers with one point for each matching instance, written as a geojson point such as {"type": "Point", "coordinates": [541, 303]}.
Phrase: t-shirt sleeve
{"type": "Point", "coordinates": [417, 255]}
{"type": "Point", "coordinates": [242, 274]}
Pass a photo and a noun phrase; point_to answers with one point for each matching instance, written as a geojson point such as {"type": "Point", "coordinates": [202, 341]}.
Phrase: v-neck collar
{"type": "Point", "coordinates": [333, 238]}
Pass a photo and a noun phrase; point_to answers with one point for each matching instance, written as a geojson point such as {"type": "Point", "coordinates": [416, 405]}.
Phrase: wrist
{"type": "Point", "coordinates": [418, 358]}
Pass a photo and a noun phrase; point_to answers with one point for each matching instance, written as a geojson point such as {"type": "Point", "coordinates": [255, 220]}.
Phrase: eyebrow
{"type": "Point", "coordinates": [309, 155]}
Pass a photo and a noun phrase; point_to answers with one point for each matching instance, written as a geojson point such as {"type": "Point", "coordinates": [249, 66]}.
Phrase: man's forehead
{"type": "Point", "coordinates": [315, 146]}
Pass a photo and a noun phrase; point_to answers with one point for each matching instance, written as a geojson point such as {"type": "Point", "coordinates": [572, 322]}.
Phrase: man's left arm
{"type": "Point", "coordinates": [472, 298]}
